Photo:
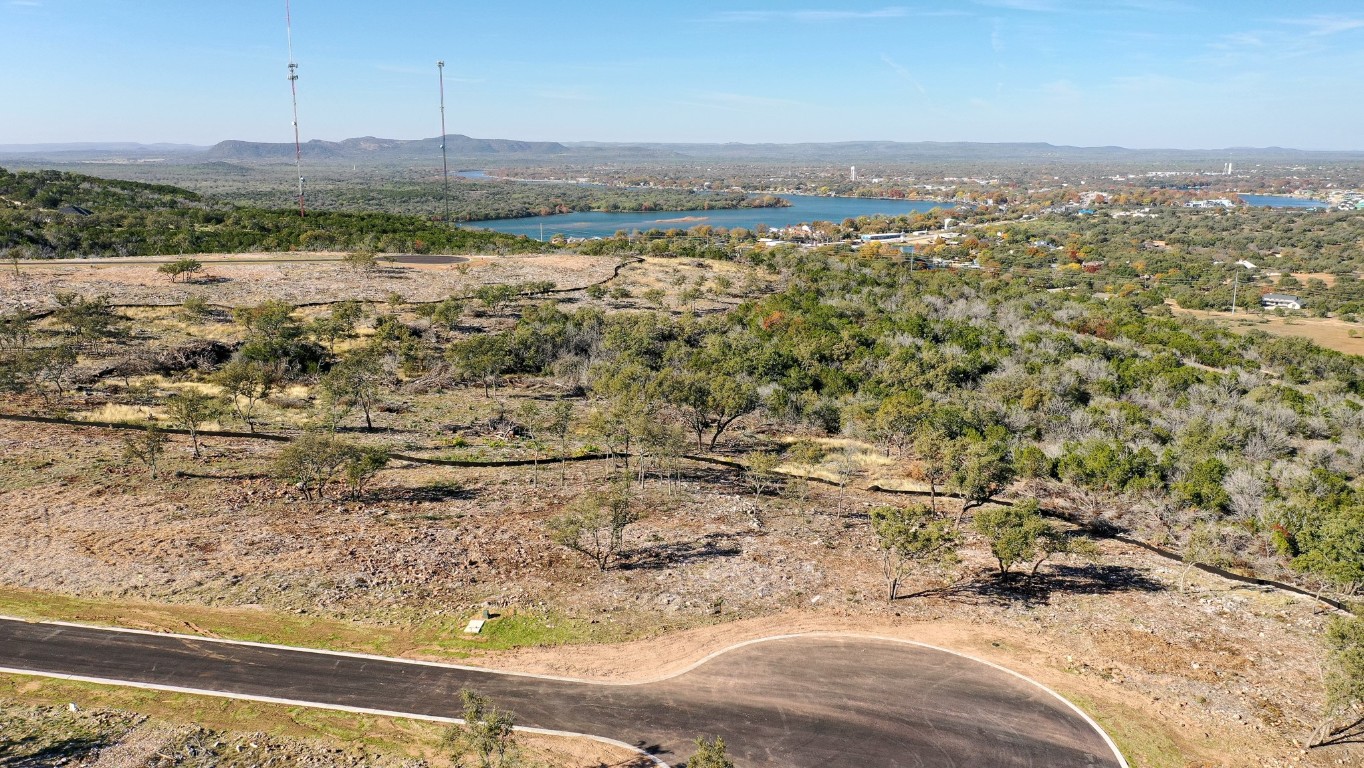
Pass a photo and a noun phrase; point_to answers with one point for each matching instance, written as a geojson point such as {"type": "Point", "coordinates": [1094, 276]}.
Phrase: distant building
{"type": "Point", "coordinates": [1281, 301]}
{"type": "Point", "coordinates": [884, 237]}
{"type": "Point", "coordinates": [75, 210]}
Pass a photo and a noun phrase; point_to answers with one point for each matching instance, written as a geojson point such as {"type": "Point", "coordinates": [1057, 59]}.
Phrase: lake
{"type": "Point", "coordinates": [804, 208]}
{"type": "Point", "coordinates": [1277, 201]}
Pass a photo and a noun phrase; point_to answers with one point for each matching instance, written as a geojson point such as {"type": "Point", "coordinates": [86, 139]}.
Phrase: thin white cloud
{"type": "Point", "coordinates": [813, 16]}
{"type": "Point", "coordinates": [904, 73]}
{"type": "Point", "coordinates": [1323, 25]}
{"type": "Point", "coordinates": [1031, 6]}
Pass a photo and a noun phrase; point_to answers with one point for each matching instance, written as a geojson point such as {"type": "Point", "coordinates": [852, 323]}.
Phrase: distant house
{"type": "Point", "coordinates": [884, 237]}
{"type": "Point", "coordinates": [75, 210]}
{"type": "Point", "coordinates": [1281, 301]}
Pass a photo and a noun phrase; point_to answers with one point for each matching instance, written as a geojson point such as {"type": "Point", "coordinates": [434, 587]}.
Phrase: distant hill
{"type": "Point", "coordinates": [468, 152]}
{"type": "Point", "coordinates": [369, 149]}
{"type": "Point", "coordinates": [964, 151]}
{"type": "Point", "coordinates": [123, 147]}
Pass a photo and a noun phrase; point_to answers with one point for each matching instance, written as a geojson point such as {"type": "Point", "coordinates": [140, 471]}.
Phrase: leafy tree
{"type": "Point", "coordinates": [483, 357]}
{"type": "Point", "coordinates": [312, 461]}
{"type": "Point", "coordinates": [1344, 679]}
{"type": "Point", "coordinates": [711, 401]}
{"type": "Point", "coordinates": [1331, 545]}
{"type": "Point", "coordinates": [760, 471]}
{"type": "Point", "coordinates": [359, 380]}
{"type": "Point", "coordinates": [35, 368]}
{"type": "Point", "coordinates": [245, 383]}
{"type": "Point", "coordinates": [496, 296]}
{"type": "Point", "coordinates": [560, 425]}
{"type": "Point", "coordinates": [935, 451]}
{"type": "Point", "coordinates": [595, 525]}
{"type": "Point", "coordinates": [982, 469]}
{"type": "Point", "coordinates": [1019, 534]}
{"type": "Point", "coordinates": [909, 535]}
{"type": "Point", "coordinates": [710, 754]}
{"type": "Point", "coordinates": [181, 269]}
{"type": "Point", "coordinates": [487, 731]}
{"type": "Point", "coordinates": [194, 309]}
{"type": "Point", "coordinates": [86, 320]}
{"type": "Point", "coordinates": [1201, 486]}
{"type": "Point", "coordinates": [363, 464]}
{"type": "Point", "coordinates": [339, 324]}
{"type": "Point", "coordinates": [146, 448]}
{"type": "Point", "coordinates": [16, 329]}
{"type": "Point", "coordinates": [363, 260]}
{"type": "Point", "coordinates": [190, 410]}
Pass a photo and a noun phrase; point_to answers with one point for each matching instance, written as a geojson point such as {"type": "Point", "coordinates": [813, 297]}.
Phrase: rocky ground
{"type": "Point", "coordinates": [1222, 674]}
{"type": "Point", "coordinates": [251, 279]}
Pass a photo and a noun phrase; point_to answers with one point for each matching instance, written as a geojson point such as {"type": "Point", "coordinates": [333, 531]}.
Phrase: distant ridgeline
{"type": "Point", "coordinates": [51, 214]}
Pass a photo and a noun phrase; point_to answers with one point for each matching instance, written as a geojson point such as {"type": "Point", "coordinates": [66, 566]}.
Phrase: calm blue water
{"type": "Point", "coordinates": [1274, 201]}
{"type": "Point", "coordinates": [804, 208]}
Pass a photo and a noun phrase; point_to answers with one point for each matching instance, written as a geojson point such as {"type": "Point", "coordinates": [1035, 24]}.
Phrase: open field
{"type": "Point", "coordinates": [1329, 332]}
{"type": "Point", "coordinates": [296, 278]}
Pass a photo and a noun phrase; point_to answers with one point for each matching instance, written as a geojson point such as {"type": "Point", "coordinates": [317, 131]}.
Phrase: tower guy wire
{"type": "Point", "coordinates": [293, 91]}
{"type": "Point", "coordinates": [444, 161]}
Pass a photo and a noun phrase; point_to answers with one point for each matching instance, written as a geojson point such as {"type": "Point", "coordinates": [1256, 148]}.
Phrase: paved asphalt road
{"type": "Point", "coordinates": [801, 701]}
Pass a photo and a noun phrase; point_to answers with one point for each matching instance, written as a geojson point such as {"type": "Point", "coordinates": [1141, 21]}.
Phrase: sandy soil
{"type": "Point", "coordinates": [252, 278]}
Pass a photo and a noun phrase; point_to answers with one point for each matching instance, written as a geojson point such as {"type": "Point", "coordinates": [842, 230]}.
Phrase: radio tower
{"type": "Point", "coordinates": [444, 162]}
{"type": "Point", "coordinates": [293, 90]}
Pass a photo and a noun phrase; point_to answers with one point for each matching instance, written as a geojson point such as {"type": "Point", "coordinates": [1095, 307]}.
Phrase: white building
{"type": "Point", "coordinates": [1281, 301]}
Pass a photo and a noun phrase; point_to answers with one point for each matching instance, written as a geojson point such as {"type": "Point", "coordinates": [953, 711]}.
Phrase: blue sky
{"type": "Point", "coordinates": [1136, 73]}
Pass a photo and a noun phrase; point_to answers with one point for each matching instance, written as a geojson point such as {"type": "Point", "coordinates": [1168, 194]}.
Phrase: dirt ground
{"type": "Point", "coordinates": [249, 279]}
{"type": "Point", "coordinates": [1220, 675]}
{"type": "Point", "coordinates": [1329, 332]}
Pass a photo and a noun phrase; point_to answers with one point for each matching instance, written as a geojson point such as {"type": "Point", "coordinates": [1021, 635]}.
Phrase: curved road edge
{"type": "Point", "coordinates": [1108, 740]}
{"type": "Point", "coordinates": [311, 704]}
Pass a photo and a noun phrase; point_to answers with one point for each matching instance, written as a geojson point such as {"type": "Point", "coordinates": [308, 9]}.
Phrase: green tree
{"type": "Point", "coordinates": [339, 324]}
{"type": "Point", "coordinates": [488, 732]}
{"type": "Point", "coordinates": [181, 269]}
{"type": "Point", "coordinates": [361, 465]}
{"type": "Point", "coordinates": [86, 320]}
{"type": "Point", "coordinates": [935, 451]}
{"type": "Point", "coordinates": [247, 382]}
{"type": "Point", "coordinates": [711, 402]}
{"type": "Point", "coordinates": [358, 380]}
{"type": "Point", "coordinates": [483, 358]}
{"type": "Point", "coordinates": [906, 536]}
{"type": "Point", "coordinates": [495, 297]}
{"type": "Point", "coordinates": [1018, 534]}
{"type": "Point", "coordinates": [710, 754]}
{"type": "Point", "coordinates": [595, 525]}
{"type": "Point", "coordinates": [561, 425]}
{"type": "Point", "coordinates": [363, 260]}
{"type": "Point", "coordinates": [1344, 679]}
{"type": "Point", "coordinates": [146, 448]}
{"type": "Point", "coordinates": [760, 472]}
{"type": "Point", "coordinates": [981, 470]}
{"type": "Point", "coordinates": [190, 410]}
{"type": "Point", "coordinates": [312, 461]}
{"type": "Point", "coordinates": [1331, 545]}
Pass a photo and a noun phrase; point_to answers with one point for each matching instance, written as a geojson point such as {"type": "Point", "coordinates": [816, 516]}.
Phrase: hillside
{"type": "Point", "coordinates": [51, 214]}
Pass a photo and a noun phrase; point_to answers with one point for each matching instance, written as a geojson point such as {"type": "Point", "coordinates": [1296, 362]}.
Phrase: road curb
{"type": "Point", "coordinates": [1117, 753]}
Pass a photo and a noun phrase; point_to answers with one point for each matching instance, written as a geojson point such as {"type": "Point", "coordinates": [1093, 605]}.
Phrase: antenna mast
{"type": "Point", "coordinates": [444, 162]}
{"type": "Point", "coordinates": [293, 90]}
